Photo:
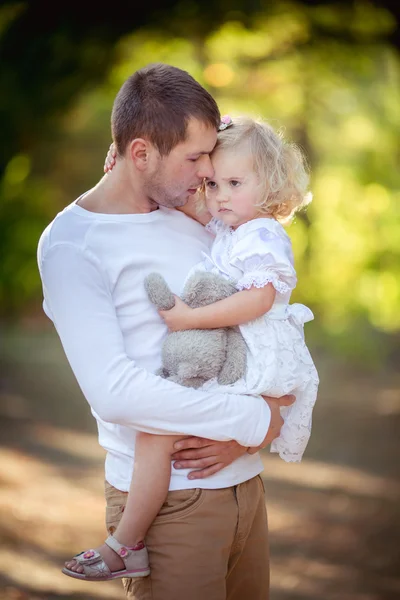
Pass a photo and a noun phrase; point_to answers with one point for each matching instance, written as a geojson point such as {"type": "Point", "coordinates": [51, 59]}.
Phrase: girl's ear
{"type": "Point", "coordinates": [139, 153]}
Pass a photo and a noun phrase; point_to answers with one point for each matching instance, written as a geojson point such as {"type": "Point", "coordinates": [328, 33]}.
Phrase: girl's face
{"type": "Point", "coordinates": [234, 190]}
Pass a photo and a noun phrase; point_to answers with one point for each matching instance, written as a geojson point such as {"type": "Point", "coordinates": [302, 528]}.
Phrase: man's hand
{"type": "Point", "coordinates": [205, 456]}
{"type": "Point", "coordinates": [276, 422]}
{"type": "Point", "coordinates": [178, 317]}
{"type": "Point", "coordinates": [208, 456]}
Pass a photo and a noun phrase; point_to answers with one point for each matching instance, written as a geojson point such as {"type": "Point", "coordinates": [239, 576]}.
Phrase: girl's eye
{"type": "Point", "coordinates": [193, 159]}
{"type": "Point", "coordinates": [211, 185]}
{"type": "Point", "coordinates": [234, 183]}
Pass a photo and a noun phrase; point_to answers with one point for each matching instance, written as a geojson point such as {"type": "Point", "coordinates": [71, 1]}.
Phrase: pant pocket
{"type": "Point", "coordinates": [179, 503]}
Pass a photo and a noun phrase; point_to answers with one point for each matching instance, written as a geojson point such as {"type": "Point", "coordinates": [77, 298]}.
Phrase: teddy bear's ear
{"type": "Point", "coordinates": [158, 291]}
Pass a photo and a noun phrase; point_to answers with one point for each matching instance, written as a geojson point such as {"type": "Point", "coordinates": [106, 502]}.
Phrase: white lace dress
{"type": "Point", "coordinates": [278, 361]}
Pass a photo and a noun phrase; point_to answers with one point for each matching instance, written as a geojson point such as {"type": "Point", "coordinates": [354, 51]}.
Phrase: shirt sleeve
{"type": "Point", "coordinates": [79, 302]}
{"type": "Point", "coordinates": [264, 257]}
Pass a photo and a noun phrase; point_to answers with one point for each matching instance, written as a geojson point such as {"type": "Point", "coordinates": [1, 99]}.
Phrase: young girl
{"type": "Point", "coordinates": [259, 181]}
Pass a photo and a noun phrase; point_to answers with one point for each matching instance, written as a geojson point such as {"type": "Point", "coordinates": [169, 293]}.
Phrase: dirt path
{"type": "Point", "coordinates": [334, 519]}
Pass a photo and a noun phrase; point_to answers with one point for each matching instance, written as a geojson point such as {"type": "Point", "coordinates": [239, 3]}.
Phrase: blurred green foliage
{"type": "Point", "coordinates": [326, 74]}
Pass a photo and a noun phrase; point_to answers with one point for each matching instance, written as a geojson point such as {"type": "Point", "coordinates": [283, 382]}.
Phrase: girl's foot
{"type": "Point", "coordinates": [111, 558]}
{"type": "Point", "coordinates": [110, 561]}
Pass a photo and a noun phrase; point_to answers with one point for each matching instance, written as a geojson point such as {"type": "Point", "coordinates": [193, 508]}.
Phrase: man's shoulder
{"type": "Point", "coordinates": [65, 228]}
{"type": "Point", "coordinates": [189, 225]}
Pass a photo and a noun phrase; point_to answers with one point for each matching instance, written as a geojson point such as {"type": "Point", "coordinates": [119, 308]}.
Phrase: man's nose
{"type": "Point", "coordinates": [205, 168]}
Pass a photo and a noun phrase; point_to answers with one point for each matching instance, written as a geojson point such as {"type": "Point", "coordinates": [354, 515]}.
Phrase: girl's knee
{"type": "Point", "coordinates": [144, 437]}
{"type": "Point", "coordinates": [151, 440]}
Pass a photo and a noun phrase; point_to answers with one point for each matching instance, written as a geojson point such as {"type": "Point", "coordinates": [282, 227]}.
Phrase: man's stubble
{"type": "Point", "coordinates": [161, 191]}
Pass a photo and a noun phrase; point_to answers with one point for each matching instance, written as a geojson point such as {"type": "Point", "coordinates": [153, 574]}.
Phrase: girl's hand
{"type": "Point", "coordinates": [178, 318]}
{"type": "Point", "coordinates": [110, 161]}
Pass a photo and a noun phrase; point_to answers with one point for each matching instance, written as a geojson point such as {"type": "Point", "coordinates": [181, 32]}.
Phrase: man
{"type": "Point", "coordinates": [210, 538]}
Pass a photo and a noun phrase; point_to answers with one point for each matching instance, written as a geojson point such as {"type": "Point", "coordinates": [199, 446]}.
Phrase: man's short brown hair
{"type": "Point", "coordinates": [156, 103]}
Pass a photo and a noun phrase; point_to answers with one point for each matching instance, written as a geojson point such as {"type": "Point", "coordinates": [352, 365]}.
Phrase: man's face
{"type": "Point", "coordinates": [172, 179]}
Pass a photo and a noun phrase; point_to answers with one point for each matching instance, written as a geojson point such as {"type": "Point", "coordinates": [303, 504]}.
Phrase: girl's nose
{"type": "Point", "coordinates": [221, 196]}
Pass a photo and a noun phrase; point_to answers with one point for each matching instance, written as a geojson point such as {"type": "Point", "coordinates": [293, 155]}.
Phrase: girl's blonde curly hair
{"type": "Point", "coordinates": [280, 166]}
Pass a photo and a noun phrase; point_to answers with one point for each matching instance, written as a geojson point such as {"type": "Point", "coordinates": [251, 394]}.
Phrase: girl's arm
{"type": "Point", "coordinates": [239, 308]}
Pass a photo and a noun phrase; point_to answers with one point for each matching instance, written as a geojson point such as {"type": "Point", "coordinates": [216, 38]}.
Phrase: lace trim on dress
{"type": "Point", "coordinates": [215, 226]}
{"type": "Point", "coordinates": [260, 280]}
{"type": "Point", "coordinates": [210, 227]}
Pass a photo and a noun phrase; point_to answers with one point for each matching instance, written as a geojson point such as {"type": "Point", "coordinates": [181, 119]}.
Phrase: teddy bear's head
{"type": "Point", "coordinates": [204, 288]}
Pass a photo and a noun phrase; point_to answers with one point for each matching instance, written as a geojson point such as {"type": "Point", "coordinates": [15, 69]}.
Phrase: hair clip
{"type": "Point", "coordinates": [226, 121]}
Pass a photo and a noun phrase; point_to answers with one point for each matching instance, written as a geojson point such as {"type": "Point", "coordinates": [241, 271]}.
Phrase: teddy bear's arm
{"type": "Point", "coordinates": [159, 292]}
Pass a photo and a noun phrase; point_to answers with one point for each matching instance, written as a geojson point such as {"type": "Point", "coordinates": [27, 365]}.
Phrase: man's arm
{"type": "Point", "coordinates": [81, 306]}
{"type": "Point", "coordinates": [207, 457]}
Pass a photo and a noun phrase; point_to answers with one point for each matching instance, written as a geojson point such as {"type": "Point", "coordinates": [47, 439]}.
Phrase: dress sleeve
{"type": "Point", "coordinates": [264, 257]}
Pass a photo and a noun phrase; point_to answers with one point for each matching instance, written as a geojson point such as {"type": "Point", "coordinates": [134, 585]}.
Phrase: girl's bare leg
{"type": "Point", "coordinates": [148, 490]}
{"type": "Point", "coordinates": [149, 486]}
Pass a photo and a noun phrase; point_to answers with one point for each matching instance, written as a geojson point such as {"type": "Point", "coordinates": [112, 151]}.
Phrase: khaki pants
{"type": "Point", "coordinates": [203, 545]}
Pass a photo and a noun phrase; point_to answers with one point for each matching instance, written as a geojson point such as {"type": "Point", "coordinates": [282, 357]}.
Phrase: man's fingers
{"type": "Point", "coordinates": [253, 450]}
{"type": "Point", "coordinates": [198, 463]}
{"type": "Point", "coordinates": [286, 400]}
{"type": "Point", "coordinates": [274, 428]}
{"type": "Point", "coordinates": [192, 453]}
{"type": "Point", "coordinates": [206, 472]}
{"type": "Point", "coordinates": [282, 401]}
{"type": "Point", "coordinates": [192, 442]}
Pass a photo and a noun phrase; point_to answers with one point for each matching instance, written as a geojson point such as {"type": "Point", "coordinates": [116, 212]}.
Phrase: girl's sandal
{"type": "Point", "coordinates": [95, 569]}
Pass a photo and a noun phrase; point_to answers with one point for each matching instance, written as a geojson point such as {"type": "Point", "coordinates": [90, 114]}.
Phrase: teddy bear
{"type": "Point", "coordinates": [195, 356]}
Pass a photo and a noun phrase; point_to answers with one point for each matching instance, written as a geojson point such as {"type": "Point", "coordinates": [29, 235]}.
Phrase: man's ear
{"type": "Point", "coordinates": [139, 150]}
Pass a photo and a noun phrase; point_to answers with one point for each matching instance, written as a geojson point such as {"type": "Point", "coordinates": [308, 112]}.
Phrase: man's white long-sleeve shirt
{"type": "Point", "coordinates": [93, 267]}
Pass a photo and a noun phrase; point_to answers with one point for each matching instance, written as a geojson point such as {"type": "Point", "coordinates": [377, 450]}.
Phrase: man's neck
{"type": "Point", "coordinates": [116, 194]}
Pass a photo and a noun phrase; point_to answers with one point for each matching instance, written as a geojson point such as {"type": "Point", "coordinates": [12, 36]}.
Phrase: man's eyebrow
{"type": "Point", "coordinates": [199, 153]}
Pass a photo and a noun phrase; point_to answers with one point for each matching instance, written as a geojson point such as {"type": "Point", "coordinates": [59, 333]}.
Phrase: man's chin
{"type": "Point", "coordinates": [182, 201]}
{"type": "Point", "coordinates": [185, 197]}
{"type": "Point", "coordinates": [175, 202]}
